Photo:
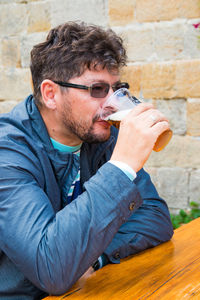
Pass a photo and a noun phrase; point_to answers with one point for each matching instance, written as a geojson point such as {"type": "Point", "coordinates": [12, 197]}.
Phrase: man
{"type": "Point", "coordinates": [72, 194]}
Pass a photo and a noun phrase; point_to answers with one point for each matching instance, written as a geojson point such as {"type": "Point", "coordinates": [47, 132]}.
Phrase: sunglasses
{"type": "Point", "coordinates": [97, 90]}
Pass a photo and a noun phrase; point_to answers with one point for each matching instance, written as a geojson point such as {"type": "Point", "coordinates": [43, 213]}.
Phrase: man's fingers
{"type": "Point", "coordinates": [147, 114]}
{"type": "Point", "coordinates": [140, 108]}
{"type": "Point", "coordinates": [160, 127]}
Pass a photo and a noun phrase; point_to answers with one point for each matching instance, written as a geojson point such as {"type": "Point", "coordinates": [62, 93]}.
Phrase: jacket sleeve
{"type": "Point", "coordinates": [147, 227]}
{"type": "Point", "coordinates": [54, 249]}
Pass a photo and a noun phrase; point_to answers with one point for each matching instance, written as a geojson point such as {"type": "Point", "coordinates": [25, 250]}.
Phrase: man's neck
{"type": "Point", "coordinates": [65, 148]}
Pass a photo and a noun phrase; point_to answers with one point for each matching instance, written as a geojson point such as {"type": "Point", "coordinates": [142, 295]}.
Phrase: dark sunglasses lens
{"type": "Point", "coordinates": [99, 90]}
{"type": "Point", "coordinates": [121, 85]}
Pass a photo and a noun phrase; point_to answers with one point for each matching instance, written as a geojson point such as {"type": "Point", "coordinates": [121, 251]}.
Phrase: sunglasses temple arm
{"type": "Point", "coordinates": [73, 85]}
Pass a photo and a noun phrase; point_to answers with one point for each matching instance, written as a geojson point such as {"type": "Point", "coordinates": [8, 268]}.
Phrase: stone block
{"type": "Point", "coordinates": [9, 1]}
{"type": "Point", "coordinates": [172, 185]}
{"type": "Point", "coordinates": [6, 106]}
{"type": "Point", "coordinates": [169, 40]}
{"type": "Point", "coordinates": [193, 117]}
{"type": "Point", "coordinates": [13, 19]}
{"type": "Point", "coordinates": [90, 11]}
{"type": "Point", "coordinates": [10, 52]}
{"type": "Point", "coordinates": [187, 78]}
{"type": "Point", "coordinates": [15, 84]}
{"type": "Point", "coordinates": [28, 1]}
{"type": "Point", "coordinates": [39, 16]}
{"type": "Point", "coordinates": [120, 14]}
{"type": "Point", "coordinates": [182, 151]}
{"type": "Point", "coordinates": [139, 39]}
{"type": "Point", "coordinates": [132, 74]}
{"type": "Point", "coordinates": [158, 80]}
{"type": "Point", "coordinates": [175, 111]}
{"type": "Point", "coordinates": [178, 79]}
{"type": "Point", "coordinates": [27, 43]}
{"type": "Point", "coordinates": [194, 186]}
{"type": "Point", "coordinates": [191, 40]}
{"type": "Point", "coordinates": [146, 11]}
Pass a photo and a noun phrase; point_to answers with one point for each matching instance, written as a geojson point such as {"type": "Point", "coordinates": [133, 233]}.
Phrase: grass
{"type": "Point", "coordinates": [184, 216]}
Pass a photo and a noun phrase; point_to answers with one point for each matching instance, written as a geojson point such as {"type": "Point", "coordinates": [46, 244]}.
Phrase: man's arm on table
{"type": "Point", "coordinates": [150, 224]}
{"type": "Point", "coordinates": [147, 227]}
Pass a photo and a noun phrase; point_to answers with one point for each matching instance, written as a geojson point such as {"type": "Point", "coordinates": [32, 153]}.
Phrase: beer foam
{"type": "Point", "coordinates": [119, 115]}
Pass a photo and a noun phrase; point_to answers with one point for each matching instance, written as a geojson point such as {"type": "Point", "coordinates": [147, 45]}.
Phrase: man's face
{"type": "Point", "coordinates": [79, 112]}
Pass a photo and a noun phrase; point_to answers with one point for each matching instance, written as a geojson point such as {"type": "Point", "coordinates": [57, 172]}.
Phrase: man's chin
{"type": "Point", "coordinates": [97, 136]}
{"type": "Point", "coordinates": [103, 131]}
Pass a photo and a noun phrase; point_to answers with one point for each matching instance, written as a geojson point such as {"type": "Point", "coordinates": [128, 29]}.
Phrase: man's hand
{"type": "Point", "coordinates": [138, 133]}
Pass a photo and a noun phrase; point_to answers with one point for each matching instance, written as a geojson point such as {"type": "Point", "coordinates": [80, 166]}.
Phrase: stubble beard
{"type": "Point", "coordinates": [80, 127]}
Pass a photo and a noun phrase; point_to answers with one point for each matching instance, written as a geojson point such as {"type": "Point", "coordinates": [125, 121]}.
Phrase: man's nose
{"type": "Point", "coordinates": [110, 92]}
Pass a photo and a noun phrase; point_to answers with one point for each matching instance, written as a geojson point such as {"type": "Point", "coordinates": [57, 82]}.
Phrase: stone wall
{"type": "Point", "coordinates": [163, 67]}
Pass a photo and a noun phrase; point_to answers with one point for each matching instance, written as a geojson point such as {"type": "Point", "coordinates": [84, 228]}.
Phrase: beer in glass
{"type": "Point", "coordinates": [119, 104]}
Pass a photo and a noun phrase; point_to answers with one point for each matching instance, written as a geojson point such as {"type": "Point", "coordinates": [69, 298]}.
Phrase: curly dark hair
{"type": "Point", "coordinates": [72, 47]}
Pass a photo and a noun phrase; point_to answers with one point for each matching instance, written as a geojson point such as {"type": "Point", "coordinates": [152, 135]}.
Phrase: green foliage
{"type": "Point", "coordinates": [184, 217]}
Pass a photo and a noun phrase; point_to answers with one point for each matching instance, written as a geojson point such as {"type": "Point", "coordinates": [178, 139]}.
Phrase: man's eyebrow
{"type": "Point", "coordinates": [104, 81]}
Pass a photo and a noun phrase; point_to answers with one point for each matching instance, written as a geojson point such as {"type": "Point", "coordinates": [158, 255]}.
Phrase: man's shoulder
{"type": "Point", "coordinates": [13, 119]}
{"type": "Point", "coordinates": [22, 119]}
{"type": "Point", "coordinates": [16, 127]}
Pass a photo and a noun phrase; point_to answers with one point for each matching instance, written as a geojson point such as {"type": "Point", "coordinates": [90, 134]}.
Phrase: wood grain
{"type": "Point", "coordinates": [168, 271]}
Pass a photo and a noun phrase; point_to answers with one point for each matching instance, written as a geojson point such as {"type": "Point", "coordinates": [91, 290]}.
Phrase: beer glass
{"type": "Point", "coordinates": [119, 104]}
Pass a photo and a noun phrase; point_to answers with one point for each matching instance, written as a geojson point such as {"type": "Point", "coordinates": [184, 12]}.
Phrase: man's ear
{"type": "Point", "coordinates": [48, 90]}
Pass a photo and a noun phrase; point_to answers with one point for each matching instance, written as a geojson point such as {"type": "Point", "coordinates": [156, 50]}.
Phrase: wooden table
{"type": "Point", "coordinates": [168, 271]}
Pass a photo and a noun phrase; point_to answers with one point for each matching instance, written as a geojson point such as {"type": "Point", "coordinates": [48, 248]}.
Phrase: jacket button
{"type": "Point", "coordinates": [132, 205]}
{"type": "Point", "coordinates": [116, 255]}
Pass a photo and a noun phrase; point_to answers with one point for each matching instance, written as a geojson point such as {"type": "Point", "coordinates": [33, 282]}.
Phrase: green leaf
{"type": "Point", "coordinates": [182, 213]}
{"type": "Point", "coordinates": [195, 213]}
{"type": "Point", "coordinates": [187, 219]}
{"type": "Point", "coordinates": [194, 204]}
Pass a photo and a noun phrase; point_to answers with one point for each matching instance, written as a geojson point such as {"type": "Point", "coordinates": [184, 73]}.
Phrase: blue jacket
{"type": "Point", "coordinates": [44, 249]}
